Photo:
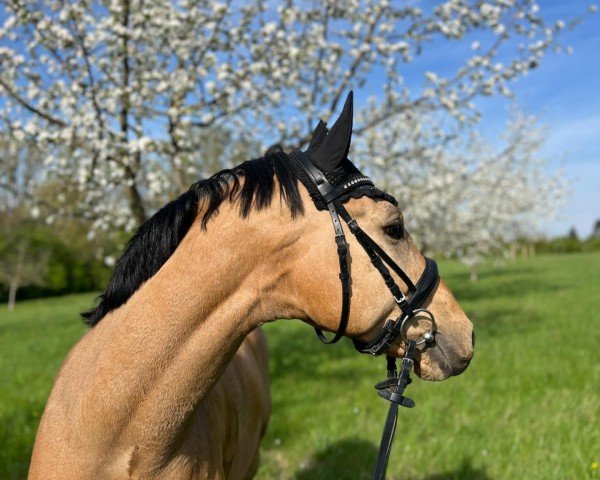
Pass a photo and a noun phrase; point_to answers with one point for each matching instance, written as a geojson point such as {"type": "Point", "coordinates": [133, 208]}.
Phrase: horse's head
{"type": "Point", "coordinates": [315, 277]}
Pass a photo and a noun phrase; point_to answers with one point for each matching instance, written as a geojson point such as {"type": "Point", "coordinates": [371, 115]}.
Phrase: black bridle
{"type": "Point", "coordinates": [409, 304]}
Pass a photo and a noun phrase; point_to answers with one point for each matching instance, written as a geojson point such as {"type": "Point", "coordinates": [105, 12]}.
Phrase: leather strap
{"type": "Point", "coordinates": [417, 294]}
{"type": "Point", "coordinates": [371, 247]}
{"type": "Point", "coordinates": [393, 388]}
{"type": "Point", "coordinates": [425, 286]}
{"type": "Point", "coordinates": [395, 395]}
{"type": "Point", "coordinates": [385, 446]}
{"type": "Point", "coordinates": [326, 189]}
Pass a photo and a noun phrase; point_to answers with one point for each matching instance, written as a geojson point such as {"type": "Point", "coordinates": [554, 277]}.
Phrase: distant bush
{"type": "Point", "coordinates": [72, 263]}
{"type": "Point", "coordinates": [568, 244]}
{"type": "Point", "coordinates": [591, 245]}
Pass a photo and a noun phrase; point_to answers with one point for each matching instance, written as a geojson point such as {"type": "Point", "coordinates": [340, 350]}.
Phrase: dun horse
{"type": "Point", "coordinates": [171, 381]}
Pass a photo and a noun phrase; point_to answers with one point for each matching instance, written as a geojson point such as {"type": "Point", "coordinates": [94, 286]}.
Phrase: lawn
{"type": "Point", "coordinates": [526, 408]}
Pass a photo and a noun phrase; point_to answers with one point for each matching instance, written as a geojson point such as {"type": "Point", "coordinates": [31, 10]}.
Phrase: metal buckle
{"type": "Point", "coordinates": [401, 299]}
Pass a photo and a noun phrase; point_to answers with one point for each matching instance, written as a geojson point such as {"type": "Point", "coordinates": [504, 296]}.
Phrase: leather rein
{"type": "Point", "coordinates": [392, 389]}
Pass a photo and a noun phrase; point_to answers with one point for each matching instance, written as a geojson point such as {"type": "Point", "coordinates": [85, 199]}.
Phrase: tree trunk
{"type": "Point", "coordinates": [474, 276]}
{"type": "Point", "coordinates": [12, 294]}
{"type": "Point", "coordinates": [137, 204]}
{"type": "Point", "coordinates": [135, 199]}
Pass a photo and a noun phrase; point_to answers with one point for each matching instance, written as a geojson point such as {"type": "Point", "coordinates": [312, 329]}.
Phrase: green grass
{"type": "Point", "coordinates": [527, 407]}
{"type": "Point", "coordinates": [34, 340]}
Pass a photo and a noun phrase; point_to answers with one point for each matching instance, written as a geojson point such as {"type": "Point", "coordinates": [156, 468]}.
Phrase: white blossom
{"type": "Point", "coordinates": [116, 99]}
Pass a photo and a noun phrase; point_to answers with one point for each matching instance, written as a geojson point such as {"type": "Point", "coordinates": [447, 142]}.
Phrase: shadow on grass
{"type": "Point", "coordinates": [354, 459]}
{"type": "Point", "coordinates": [294, 350]}
{"type": "Point", "coordinates": [466, 471]}
{"type": "Point", "coordinates": [505, 321]}
{"type": "Point", "coordinates": [489, 269]}
{"type": "Point", "coordinates": [347, 459]}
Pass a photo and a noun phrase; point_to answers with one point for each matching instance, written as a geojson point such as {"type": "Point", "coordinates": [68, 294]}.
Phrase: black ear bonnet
{"type": "Point", "coordinates": [347, 180]}
{"type": "Point", "coordinates": [328, 151]}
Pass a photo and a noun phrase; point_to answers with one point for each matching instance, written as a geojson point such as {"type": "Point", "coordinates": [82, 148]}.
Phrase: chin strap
{"type": "Point", "coordinates": [392, 390]}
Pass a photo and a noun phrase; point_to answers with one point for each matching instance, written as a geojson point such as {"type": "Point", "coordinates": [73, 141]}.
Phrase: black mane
{"type": "Point", "coordinates": [156, 240]}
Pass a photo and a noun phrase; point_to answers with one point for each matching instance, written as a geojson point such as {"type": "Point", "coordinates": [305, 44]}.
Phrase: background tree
{"type": "Point", "coordinates": [23, 258]}
{"type": "Point", "coordinates": [22, 261]}
{"type": "Point", "coordinates": [52, 255]}
{"type": "Point", "coordinates": [113, 93]}
{"type": "Point", "coordinates": [573, 234]}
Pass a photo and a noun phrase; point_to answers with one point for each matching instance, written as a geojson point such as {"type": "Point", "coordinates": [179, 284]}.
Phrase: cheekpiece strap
{"type": "Point", "coordinates": [326, 191]}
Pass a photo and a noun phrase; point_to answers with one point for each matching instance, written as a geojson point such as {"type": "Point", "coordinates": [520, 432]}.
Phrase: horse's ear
{"type": "Point", "coordinates": [318, 136]}
{"type": "Point", "coordinates": [333, 149]}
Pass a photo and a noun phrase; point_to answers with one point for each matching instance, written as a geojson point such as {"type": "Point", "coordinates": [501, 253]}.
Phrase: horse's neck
{"type": "Point", "coordinates": [145, 367]}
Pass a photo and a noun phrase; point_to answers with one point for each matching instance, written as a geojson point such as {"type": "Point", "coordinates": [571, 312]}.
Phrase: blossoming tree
{"type": "Point", "coordinates": [120, 95]}
{"type": "Point", "coordinates": [463, 197]}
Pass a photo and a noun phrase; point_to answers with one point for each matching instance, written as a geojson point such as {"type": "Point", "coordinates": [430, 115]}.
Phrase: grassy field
{"type": "Point", "coordinates": [528, 407]}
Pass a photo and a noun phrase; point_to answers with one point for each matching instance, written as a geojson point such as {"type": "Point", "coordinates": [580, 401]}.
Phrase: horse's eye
{"type": "Point", "coordinates": [395, 230]}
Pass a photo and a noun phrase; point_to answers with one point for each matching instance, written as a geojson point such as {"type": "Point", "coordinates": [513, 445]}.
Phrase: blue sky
{"type": "Point", "coordinates": [564, 92]}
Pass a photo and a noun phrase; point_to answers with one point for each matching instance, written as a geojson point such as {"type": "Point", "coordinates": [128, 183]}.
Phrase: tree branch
{"type": "Point", "coordinates": [46, 116]}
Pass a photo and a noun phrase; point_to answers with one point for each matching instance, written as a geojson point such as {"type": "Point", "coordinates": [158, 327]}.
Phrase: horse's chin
{"type": "Point", "coordinates": [430, 364]}
{"type": "Point", "coordinates": [436, 361]}
{"type": "Point", "coordinates": [427, 367]}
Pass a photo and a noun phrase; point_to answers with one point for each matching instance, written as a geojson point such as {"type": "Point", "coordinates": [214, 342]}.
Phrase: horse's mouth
{"type": "Point", "coordinates": [436, 364]}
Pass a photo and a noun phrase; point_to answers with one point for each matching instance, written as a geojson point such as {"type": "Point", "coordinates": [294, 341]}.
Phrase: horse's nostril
{"type": "Point", "coordinates": [473, 338]}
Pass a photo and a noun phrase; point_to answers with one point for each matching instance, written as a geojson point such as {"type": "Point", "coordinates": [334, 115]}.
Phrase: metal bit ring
{"type": "Point", "coordinates": [427, 336]}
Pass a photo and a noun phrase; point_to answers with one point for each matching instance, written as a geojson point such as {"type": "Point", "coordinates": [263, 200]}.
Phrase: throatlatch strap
{"type": "Point", "coordinates": [342, 251]}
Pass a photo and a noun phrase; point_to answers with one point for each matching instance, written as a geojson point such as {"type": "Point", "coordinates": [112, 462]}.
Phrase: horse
{"type": "Point", "coordinates": [171, 381]}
